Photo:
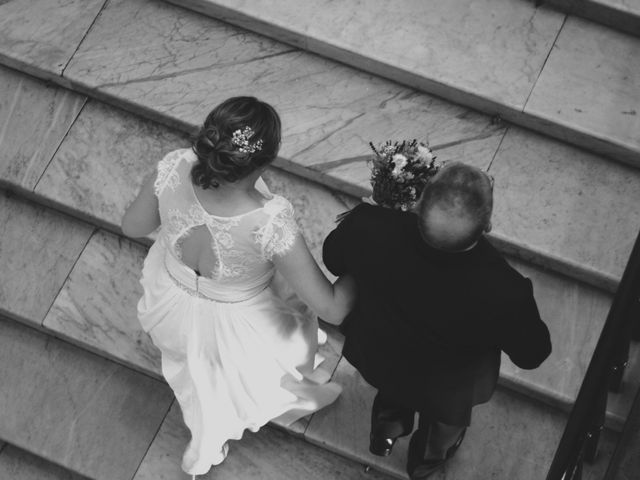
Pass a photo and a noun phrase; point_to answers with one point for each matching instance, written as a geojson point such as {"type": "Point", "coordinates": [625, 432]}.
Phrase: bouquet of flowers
{"type": "Point", "coordinates": [400, 171]}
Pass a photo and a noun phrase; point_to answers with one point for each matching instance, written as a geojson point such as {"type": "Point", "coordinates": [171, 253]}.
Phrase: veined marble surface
{"type": "Point", "coordinates": [100, 166]}
{"type": "Point", "coordinates": [38, 249]}
{"type": "Point", "coordinates": [491, 48]}
{"type": "Point", "coordinates": [165, 57]}
{"type": "Point", "coordinates": [591, 82]}
{"type": "Point", "coordinates": [44, 33]}
{"type": "Point", "coordinates": [266, 455]}
{"type": "Point", "coordinates": [16, 464]}
{"type": "Point", "coordinates": [454, 133]}
{"type": "Point", "coordinates": [34, 118]}
{"type": "Point", "coordinates": [330, 112]}
{"type": "Point", "coordinates": [97, 304]}
{"type": "Point", "coordinates": [565, 201]}
{"type": "Point", "coordinates": [75, 408]}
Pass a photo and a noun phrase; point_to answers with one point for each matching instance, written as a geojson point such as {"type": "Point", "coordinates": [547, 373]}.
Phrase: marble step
{"type": "Point", "coordinates": [623, 15]}
{"type": "Point", "coordinates": [532, 65]}
{"type": "Point", "coordinates": [100, 159]}
{"type": "Point", "coordinates": [17, 464]}
{"type": "Point", "coordinates": [73, 408]}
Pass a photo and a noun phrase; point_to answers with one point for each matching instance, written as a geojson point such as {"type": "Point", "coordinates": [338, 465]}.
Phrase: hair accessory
{"type": "Point", "coordinates": [241, 140]}
{"type": "Point", "coordinates": [400, 171]}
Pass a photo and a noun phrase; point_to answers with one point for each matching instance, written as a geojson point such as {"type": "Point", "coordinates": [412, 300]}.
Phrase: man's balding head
{"type": "Point", "coordinates": [455, 207]}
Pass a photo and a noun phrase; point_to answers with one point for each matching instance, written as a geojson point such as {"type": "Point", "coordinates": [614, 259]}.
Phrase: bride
{"type": "Point", "coordinates": [237, 350]}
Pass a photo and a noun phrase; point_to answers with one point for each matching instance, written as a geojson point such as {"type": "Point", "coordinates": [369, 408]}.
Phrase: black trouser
{"type": "Point", "coordinates": [390, 420]}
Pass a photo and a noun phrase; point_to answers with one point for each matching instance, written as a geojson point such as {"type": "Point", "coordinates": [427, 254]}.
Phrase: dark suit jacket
{"type": "Point", "coordinates": [428, 326]}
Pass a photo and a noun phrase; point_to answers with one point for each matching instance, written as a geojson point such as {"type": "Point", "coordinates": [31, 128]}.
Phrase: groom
{"type": "Point", "coordinates": [436, 306]}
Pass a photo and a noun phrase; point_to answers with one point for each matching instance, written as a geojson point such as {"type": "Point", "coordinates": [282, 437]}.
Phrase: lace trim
{"type": "Point", "coordinates": [278, 235]}
{"type": "Point", "coordinates": [167, 175]}
{"type": "Point", "coordinates": [230, 263]}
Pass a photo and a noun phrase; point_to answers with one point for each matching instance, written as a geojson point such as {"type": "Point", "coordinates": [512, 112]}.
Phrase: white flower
{"type": "Point", "coordinates": [400, 161]}
{"type": "Point", "coordinates": [424, 153]}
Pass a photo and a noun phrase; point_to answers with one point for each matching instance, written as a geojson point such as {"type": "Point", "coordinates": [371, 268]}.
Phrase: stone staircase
{"type": "Point", "coordinates": [94, 92]}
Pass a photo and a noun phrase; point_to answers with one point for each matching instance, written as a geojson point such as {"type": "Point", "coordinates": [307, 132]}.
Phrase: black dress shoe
{"type": "Point", "coordinates": [383, 438]}
{"type": "Point", "coordinates": [422, 468]}
{"type": "Point", "coordinates": [381, 446]}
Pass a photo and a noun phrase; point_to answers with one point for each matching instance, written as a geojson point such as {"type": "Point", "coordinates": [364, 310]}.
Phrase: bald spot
{"type": "Point", "coordinates": [447, 229]}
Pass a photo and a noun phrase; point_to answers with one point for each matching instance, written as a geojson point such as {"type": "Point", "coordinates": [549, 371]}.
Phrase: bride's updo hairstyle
{"type": "Point", "coordinates": [239, 136]}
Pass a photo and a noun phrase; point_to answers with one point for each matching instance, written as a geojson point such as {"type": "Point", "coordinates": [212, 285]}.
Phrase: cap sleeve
{"type": "Point", "coordinates": [167, 176]}
{"type": "Point", "coordinates": [278, 234]}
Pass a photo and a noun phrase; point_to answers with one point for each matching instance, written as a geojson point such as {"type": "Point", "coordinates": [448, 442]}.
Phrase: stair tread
{"type": "Point", "coordinates": [99, 166]}
{"type": "Point", "coordinates": [257, 456]}
{"type": "Point", "coordinates": [591, 83]}
{"type": "Point", "coordinates": [568, 203]}
{"type": "Point", "coordinates": [29, 141]}
{"type": "Point", "coordinates": [39, 247]}
{"type": "Point", "coordinates": [94, 416]}
{"type": "Point", "coordinates": [96, 306]}
{"type": "Point", "coordinates": [497, 445]}
{"type": "Point", "coordinates": [17, 464]}
{"type": "Point", "coordinates": [45, 33]}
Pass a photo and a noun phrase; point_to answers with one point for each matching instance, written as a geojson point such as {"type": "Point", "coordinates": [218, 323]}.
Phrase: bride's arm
{"type": "Point", "coordinates": [331, 302]}
{"type": "Point", "coordinates": [142, 216]}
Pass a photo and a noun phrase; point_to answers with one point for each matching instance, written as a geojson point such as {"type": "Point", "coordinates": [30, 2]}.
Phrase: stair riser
{"type": "Point", "coordinates": [616, 18]}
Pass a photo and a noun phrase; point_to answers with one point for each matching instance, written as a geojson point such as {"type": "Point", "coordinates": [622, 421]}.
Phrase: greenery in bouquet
{"type": "Point", "coordinates": [400, 171]}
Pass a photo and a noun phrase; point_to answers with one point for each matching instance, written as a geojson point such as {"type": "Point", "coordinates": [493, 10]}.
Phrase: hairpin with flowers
{"type": "Point", "coordinates": [400, 171]}
{"type": "Point", "coordinates": [241, 139]}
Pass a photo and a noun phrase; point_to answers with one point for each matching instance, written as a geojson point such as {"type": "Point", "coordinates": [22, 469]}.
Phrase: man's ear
{"type": "Point", "coordinates": [488, 228]}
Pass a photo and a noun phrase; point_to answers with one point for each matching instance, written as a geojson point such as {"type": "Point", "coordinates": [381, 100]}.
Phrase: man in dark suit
{"type": "Point", "coordinates": [436, 306]}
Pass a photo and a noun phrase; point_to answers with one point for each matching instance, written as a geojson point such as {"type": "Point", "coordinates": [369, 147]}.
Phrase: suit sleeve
{"type": "Point", "coordinates": [524, 337]}
{"type": "Point", "coordinates": [335, 247]}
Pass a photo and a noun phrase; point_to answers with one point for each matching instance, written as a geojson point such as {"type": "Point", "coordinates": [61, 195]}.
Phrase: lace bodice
{"type": "Point", "coordinates": [243, 245]}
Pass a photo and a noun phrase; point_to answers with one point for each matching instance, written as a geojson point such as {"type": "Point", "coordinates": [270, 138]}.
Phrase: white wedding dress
{"type": "Point", "coordinates": [238, 349]}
